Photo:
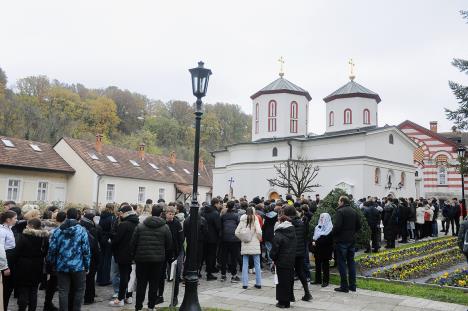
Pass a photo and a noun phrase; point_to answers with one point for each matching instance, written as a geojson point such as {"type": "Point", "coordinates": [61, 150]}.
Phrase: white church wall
{"type": "Point", "coordinates": [338, 147]}
{"type": "Point", "coordinates": [357, 106]}
{"type": "Point", "coordinates": [283, 101]}
{"type": "Point", "coordinates": [378, 146]}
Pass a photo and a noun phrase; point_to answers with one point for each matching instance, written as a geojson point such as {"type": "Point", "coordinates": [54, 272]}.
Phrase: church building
{"type": "Point", "coordinates": [353, 153]}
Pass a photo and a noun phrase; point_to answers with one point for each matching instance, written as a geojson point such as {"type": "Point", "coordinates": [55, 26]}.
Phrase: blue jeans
{"type": "Point", "coordinates": [345, 254]}
{"type": "Point", "coordinates": [435, 229]}
{"type": "Point", "coordinates": [268, 247]}
{"type": "Point", "coordinates": [245, 270]}
{"type": "Point", "coordinates": [115, 275]}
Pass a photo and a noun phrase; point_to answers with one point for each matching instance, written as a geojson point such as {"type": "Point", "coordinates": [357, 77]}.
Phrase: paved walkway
{"type": "Point", "coordinates": [232, 297]}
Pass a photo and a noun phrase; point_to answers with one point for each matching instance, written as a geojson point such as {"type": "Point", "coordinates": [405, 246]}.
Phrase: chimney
{"type": "Point", "coordinates": [172, 157]}
{"type": "Point", "coordinates": [141, 151]}
{"type": "Point", "coordinates": [98, 144]}
{"type": "Point", "coordinates": [201, 165]}
{"type": "Point", "coordinates": [433, 126]}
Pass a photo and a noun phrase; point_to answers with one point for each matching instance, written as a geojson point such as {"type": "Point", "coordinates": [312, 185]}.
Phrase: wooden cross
{"type": "Point", "coordinates": [231, 180]}
{"type": "Point", "coordinates": [351, 69]}
{"type": "Point", "coordinates": [281, 61]}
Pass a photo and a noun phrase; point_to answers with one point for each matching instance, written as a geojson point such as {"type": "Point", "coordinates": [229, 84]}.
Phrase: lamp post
{"type": "Point", "coordinates": [461, 150]}
{"type": "Point", "coordinates": [200, 77]}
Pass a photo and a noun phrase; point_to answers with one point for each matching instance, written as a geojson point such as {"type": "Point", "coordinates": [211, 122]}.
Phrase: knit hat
{"type": "Point", "coordinates": [125, 209]}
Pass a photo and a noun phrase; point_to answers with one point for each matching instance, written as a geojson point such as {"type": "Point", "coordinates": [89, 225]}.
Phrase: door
{"type": "Point", "coordinates": [273, 196]}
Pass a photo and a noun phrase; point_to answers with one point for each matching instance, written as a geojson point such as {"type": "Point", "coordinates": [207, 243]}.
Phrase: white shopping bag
{"type": "Point", "coordinates": [275, 279]}
{"type": "Point", "coordinates": [173, 270]}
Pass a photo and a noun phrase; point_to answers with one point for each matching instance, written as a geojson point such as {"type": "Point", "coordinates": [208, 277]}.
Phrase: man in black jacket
{"type": "Point", "coordinates": [373, 218]}
{"type": "Point", "coordinates": [230, 244]}
{"type": "Point", "coordinates": [347, 224]}
{"type": "Point", "coordinates": [213, 221]}
{"type": "Point", "coordinates": [404, 214]}
{"type": "Point", "coordinates": [150, 243]}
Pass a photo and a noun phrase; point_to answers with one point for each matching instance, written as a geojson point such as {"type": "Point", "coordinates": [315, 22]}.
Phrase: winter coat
{"type": "Point", "coordinates": [299, 228]}
{"type": "Point", "coordinates": [323, 248]}
{"type": "Point", "coordinates": [420, 215]}
{"type": "Point", "coordinates": [446, 210]}
{"type": "Point", "coordinates": [213, 221]}
{"type": "Point", "coordinates": [428, 213]}
{"type": "Point", "coordinates": [462, 232]}
{"type": "Point", "coordinates": [202, 229]}
{"type": "Point", "coordinates": [252, 247]}
{"type": "Point", "coordinates": [283, 251]}
{"type": "Point", "coordinates": [346, 225]}
{"type": "Point", "coordinates": [95, 238]}
{"type": "Point", "coordinates": [229, 222]}
{"type": "Point", "coordinates": [404, 213]}
{"type": "Point", "coordinates": [31, 249]}
{"type": "Point", "coordinates": [69, 248]}
{"type": "Point", "coordinates": [269, 226]}
{"type": "Point", "coordinates": [454, 211]}
{"type": "Point", "coordinates": [177, 234]}
{"type": "Point", "coordinates": [436, 212]}
{"type": "Point", "coordinates": [122, 238]}
{"type": "Point", "coordinates": [105, 222]}
{"type": "Point", "coordinates": [390, 221]}
{"type": "Point", "coordinates": [372, 215]}
{"type": "Point", "coordinates": [151, 240]}
{"type": "Point", "coordinates": [412, 210]}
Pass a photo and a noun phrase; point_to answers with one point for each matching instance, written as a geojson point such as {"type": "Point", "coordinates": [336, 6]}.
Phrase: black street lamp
{"type": "Point", "coordinates": [200, 77]}
{"type": "Point", "coordinates": [461, 150]}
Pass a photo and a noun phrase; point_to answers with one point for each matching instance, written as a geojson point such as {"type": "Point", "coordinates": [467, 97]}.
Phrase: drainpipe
{"type": "Point", "coordinates": [97, 192]}
{"type": "Point", "coordinates": [289, 166]}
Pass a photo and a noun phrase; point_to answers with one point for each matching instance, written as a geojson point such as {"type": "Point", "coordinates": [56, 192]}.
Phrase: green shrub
{"type": "Point", "coordinates": [329, 204]}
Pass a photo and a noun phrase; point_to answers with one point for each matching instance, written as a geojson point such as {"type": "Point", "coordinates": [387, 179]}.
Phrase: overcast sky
{"type": "Point", "coordinates": [402, 49]}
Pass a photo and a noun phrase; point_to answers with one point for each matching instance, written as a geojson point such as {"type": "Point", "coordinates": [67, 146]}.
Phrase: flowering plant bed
{"type": "Point", "coordinates": [387, 257]}
{"type": "Point", "coordinates": [458, 278]}
{"type": "Point", "coordinates": [422, 266]}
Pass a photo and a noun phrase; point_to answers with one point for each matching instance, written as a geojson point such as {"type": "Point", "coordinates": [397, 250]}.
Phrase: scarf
{"type": "Point", "coordinates": [324, 226]}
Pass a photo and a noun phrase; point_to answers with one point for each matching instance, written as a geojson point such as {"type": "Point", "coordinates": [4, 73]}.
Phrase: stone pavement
{"type": "Point", "coordinates": [230, 296]}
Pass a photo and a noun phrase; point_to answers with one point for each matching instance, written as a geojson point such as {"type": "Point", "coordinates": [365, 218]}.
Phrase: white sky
{"type": "Point", "coordinates": [402, 49]}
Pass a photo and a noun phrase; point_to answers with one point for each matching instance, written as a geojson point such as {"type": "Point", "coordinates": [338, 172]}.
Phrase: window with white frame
{"type": "Point", "coordinates": [442, 176]}
{"type": "Point", "coordinates": [272, 116]}
{"type": "Point", "coordinates": [110, 193]}
{"type": "Point", "coordinates": [293, 121]}
{"type": "Point", "coordinates": [348, 116]}
{"type": "Point", "coordinates": [366, 116]}
{"type": "Point", "coordinates": [14, 187]}
{"type": "Point", "coordinates": [42, 188]}
{"type": "Point", "coordinates": [141, 194]}
{"type": "Point", "coordinates": [162, 193]}
{"type": "Point", "coordinates": [331, 118]}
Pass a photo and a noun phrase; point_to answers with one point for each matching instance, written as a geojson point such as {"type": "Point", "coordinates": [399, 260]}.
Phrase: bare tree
{"type": "Point", "coordinates": [296, 175]}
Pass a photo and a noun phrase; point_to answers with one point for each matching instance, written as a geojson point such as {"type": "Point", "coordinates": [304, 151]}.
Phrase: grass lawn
{"type": "Point", "coordinates": [408, 289]}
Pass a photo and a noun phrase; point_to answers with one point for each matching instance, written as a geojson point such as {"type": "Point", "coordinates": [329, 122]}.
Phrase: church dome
{"type": "Point", "coordinates": [281, 85]}
{"type": "Point", "coordinates": [352, 89]}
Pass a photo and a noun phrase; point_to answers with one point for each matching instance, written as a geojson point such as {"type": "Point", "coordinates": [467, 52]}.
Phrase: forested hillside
{"type": "Point", "coordinates": [37, 108]}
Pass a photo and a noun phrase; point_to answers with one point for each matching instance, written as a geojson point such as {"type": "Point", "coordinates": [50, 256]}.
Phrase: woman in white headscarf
{"type": "Point", "coordinates": [322, 243]}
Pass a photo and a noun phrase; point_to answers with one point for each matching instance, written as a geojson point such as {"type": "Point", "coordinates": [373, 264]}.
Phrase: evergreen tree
{"type": "Point", "coordinates": [460, 115]}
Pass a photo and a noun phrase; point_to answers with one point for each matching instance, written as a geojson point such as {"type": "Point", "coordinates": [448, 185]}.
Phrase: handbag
{"type": "Point", "coordinates": [245, 234]}
{"type": "Point", "coordinates": [275, 276]}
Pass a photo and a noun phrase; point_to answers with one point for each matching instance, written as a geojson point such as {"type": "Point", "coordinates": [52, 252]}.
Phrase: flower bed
{"type": "Point", "coordinates": [421, 266]}
{"type": "Point", "coordinates": [458, 278]}
{"type": "Point", "coordinates": [387, 257]}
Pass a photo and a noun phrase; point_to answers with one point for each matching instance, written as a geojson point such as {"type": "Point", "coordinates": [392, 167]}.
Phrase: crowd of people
{"type": "Point", "coordinates": [141, 248]}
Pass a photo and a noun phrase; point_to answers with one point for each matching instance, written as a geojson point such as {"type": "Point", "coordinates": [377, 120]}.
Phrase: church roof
{"type": "Point", "coordinates": [281, 85]}
{"type": "Point", "coordinates": [352, 89]}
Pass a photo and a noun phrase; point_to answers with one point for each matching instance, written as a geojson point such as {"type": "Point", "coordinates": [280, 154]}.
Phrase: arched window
{"type": "Point", "coordinates": [348, 116]}
{"type": "Point", "coordinates": [402, 179]}
{"type": "Point", "coordinates": [390, 139]}
{"type": "Point", "coordinates": [275, 152]}
{"type": "Point", "coordinates": [366, 116]}
{"type": "Point", "coordinates": [272, 116]}
{"type": "Point", "coordinates": [441, 159]}
{"type": "Point", "coordinates": [256, 118]}
{"type": "Point", "coordinates": [331, 118]}
{"type": "Point", "coordinates": [377, 176]}
{"type": "Point", "coordinates": [293, 122]}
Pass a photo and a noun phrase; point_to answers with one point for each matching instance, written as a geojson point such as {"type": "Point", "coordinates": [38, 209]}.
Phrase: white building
{"type": "Point", "coordinates": [353, 153]}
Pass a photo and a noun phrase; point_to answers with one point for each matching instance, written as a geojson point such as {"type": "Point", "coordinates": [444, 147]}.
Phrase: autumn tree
{"type": "Point", "coordinates": [297, 176]}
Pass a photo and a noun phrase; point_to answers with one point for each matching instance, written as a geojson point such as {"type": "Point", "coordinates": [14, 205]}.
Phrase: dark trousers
{"type": "Point", "coordinates": [299, 269]}
{"type": "Point", "coordinates": [124, 270]}
{"type": "Point", "coordinates": [71, 282]}
{"type": "Point", "coordinates": [103, 271]}
{"type": "Point", "coordinates": [90, 290]}
{"type": "Point", "coordinates": [210, 257]}
{"type": "Point", "coordinates": [375, 239]}
{"type": "Point", "coordinates": [147, 272]}
{"type": "Point", "coordinates": [404, 231]}
{"type": "Point", "coordinates": [284, 295]}
{"type": "Point", "coordinates": [322, 270]}
{"type": "Point", "coordinates": [419, 231]}
{"type": "Point", "coordinates": [457, 225]}
{"type": "Point", "coordinates": [230, 256]}
{"type": "Point", "coordinates": [8, 287]}
{"type": "Point", "coordinates": [50, 289]}
{"type": "Point", "coordinates": [27, 298]}
{"type": "Point", "coordinates": [346, 265]}
{"type": "Point", "coordinates": [165, 271]}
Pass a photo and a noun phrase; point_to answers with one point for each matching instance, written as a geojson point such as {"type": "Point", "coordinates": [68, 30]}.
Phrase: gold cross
{"type": "Point", "coordinates": [351, 69]}
{"type": "Point", "coordinates": [281, 61]}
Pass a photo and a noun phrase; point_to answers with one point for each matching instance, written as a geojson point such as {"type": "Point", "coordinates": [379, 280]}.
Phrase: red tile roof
{"type": "Point", "coordinates": [23, 156]}
{"type": "Point", "coordinates": [124, 168]}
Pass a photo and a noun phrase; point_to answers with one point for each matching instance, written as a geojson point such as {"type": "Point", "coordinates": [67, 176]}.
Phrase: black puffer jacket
{"type": "Point", "coordinates": [283, 251]}
{"type": "Point", "coordinates": [229, 222]}
{"type": "Point", "coordinates": [299, 227]}
{"type": "Point", "coordinates": [151, 240]}
{"type": "Point", "coordinates": [213, 221]}
{"type": "Point", "coordinates": [268, 228]}
{"type": "Point", "coordinates": [412, 212]}
{"type": "Point", "coordinates": [372, 214]}
{"type": "Point", "coordinates": [346, 225]}
{"type": "Point", "coordinates": [121, 239]}
{"type": "Point", "coordinates": [390, 221]}
{"type": "Point", "coordinates": [177, 234]}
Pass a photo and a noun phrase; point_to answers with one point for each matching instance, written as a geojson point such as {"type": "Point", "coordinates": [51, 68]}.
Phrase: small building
{"type": "Point", "coordinates": [107, 174]}
{"type": "Point", "coordinates": [436, 160]}
{"type": "Point", "coordinates": [32, 172]}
